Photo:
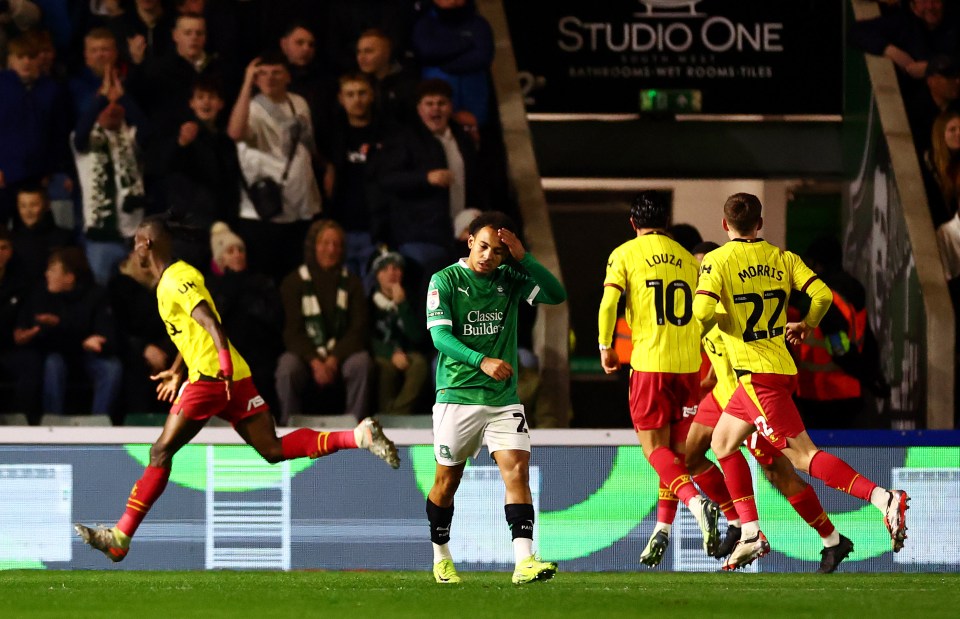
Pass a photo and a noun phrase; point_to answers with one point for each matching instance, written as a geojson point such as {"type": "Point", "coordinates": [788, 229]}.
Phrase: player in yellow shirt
{"type": "Point", "coordinates": [658, 277]}
{"type": "Point", "coordinates": [219, 385]}
{"type": "Point", "coordinates": [752, 279]}
{"type": "Point", "coordinates": [776, 468]}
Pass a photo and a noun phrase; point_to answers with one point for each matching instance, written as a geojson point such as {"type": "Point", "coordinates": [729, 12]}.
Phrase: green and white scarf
{"type": "Point", "coordinates": [109, 173]}
{"type": "Point", "coordinates": [312, 314]}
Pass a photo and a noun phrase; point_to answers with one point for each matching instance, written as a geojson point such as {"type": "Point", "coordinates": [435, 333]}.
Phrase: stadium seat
{"type": "Point", "coordinates": [339, 422]}
{"type": "Point", "coordinates": [13, 419]}
{"type": "Point", "coordinates": [406, 421]}
{"type": "Point", "coordinates": [217, 422]}
{"type": "Point", "coordinates": [75, 420]}
{"type": "Point", "coordinates": [145, 419]}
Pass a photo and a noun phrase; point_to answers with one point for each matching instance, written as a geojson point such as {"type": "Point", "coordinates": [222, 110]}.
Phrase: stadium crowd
{"type": "Point", "coordinates": [328, 156]}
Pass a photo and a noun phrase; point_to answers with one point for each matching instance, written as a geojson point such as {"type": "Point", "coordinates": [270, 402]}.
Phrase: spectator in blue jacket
{"type": "Point", "coordinates": [33, 127]}
{"type": "Point", "coordinates": [455, 44]}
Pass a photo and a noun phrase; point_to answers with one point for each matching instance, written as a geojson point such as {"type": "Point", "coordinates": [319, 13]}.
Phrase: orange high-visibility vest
{"type": "Point", "coordinates": [819, 378]}
{"type": "Point", "coordinates": [623, 340]}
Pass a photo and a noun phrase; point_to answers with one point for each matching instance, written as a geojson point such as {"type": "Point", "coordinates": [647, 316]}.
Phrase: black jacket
{"type": "Point", "coordinates": [83, 311]}
{"type": "Point", "coordinates": [419, 211]}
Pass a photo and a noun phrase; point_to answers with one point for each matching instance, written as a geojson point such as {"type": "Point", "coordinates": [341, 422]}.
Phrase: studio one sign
{"type": "Point", "coordinates": [739, 56]}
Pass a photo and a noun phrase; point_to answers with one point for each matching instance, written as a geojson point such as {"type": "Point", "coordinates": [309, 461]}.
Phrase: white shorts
{"type": "Point", "coordinates": [459, 430]}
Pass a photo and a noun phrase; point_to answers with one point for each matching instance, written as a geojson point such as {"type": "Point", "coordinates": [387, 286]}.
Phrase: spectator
{"type": "Point", "coordinates": [164, 84]}
{"type": "Point", "coordinates": [106, 151]}
{"type": "Point", "coordinates": [250, 309]}
{"type": "Point", "coordinates": [16, 17]}
{"type": "Point", "coordinates": [275, 132]}
{"type": "Point", "coordinates": [47, 54]}
{"type": "Point", "coordinates": [88, 16]}
{"type": "Point", "coordinates": [941, 94]}
{"type": "Point", "coordinates": [349, 183]}
{"type": "Point", "coordinates": [687, 235]}
{"type": "Point", "coordinates": [394, 86]}
{"type": "Point", "coordinates": [21, 364]}
{"type": "Point", "coordinates": [33, 125]}
{"type": "Point", "coordinates": [223, 33]}
{"type": "Point", "coordinates": [99, 55]}
{"type": "Point", "coordinates": [841, 355]}
{"type": "Point", "coordinates": [199, 168]}
{"type": "Point", "coordinates": [941, 174]}
{"type": "Point", "coordinates": [396, 335]}
{"type": "Point", "coordinates": [347, 19]}
{"type": "Point", "coordinates": [455, 44]}
{"type": "Point", "coordinates": [307, 78]}
{"type": "Point", "coordinates": [909, 36]}
{"type": "Point", "coordinates": [429, 174]}
{"type": "Point", "coordinates": [34, 234]}
{"type": "Point", "coordinates": [142, 342]}
{"type": "Point", "coordinates": [146, 30]}
{"type": "Point", "coordinates": [70, 322]}
{"type": "Point", "coordinates": [461, 224]}
{"type": "Point", "coordinates": [326, 327]}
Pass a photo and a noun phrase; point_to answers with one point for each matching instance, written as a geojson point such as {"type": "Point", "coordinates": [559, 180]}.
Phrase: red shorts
{"type": "Point", "coordinates": [204, 399]}
{"type": "Point", "coordinates": [661, 399]}
{"type": "Point", "coordinates": [761, 449]}
{"type": "Point", "coordinates": [708, 414]}
{"type": "Point", "coordinates": [764, 400]}
{"type": "Point", "coordinates": [708, 411]}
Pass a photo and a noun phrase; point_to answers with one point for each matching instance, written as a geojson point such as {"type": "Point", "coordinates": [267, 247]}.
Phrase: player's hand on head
{"type": "Point", "coordinates": [513, 243]}
{"type": "Point", "coordinates": [497, 369]}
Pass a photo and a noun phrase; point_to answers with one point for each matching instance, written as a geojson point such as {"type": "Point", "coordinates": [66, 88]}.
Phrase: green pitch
{"type": "Point", "coordinates": [353, 595]}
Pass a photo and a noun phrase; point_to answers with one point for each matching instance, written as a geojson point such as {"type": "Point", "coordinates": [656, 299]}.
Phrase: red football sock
{"type": "Point", "coordinates": [808, 506]}
{"type": "Point", "coordinates": [313, 444]}
{"type": "Point", "coordinates": [736, 473]}
{"type": "Point", "coordinates": [673, 473]}
{"type": "Point", "coordinates": [838, 474]}
{"type": "Point", "coordinates": [666, 505]}
{"type": "Point", "coordinates": [147, 490]}
{"type": "Point", "coordinates": [713, 485]}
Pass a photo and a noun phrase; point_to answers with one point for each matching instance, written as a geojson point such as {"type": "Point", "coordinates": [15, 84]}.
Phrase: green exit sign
{"type": "Point", "coordinates": [672, 101]}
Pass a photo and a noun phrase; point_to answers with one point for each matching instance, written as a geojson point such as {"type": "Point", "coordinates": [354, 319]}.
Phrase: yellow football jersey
{"type": "Point", "coordinates": [180, 290]}
{"type": "Point", "coordinates": [658, 277]}
{"type": "Point", "coordinates": [753, 279]}
{"type": "Point", "coordinates": [720, 361]}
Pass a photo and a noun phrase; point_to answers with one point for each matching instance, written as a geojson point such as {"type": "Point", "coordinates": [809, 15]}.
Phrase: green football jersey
{"type": "Point", "coordinates": [482, 314]}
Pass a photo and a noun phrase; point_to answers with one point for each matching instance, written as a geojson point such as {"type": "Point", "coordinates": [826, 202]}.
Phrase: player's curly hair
{"type": "Point", "coordinates": [649, 210]}
{"type": "Point", "coordinates": [493, 219]}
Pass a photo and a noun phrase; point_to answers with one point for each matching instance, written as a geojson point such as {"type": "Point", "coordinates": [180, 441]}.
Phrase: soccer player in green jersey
{"type": "Point", "coordinates": [472, 318]}
{"type": "Point", "coordinates": [218, 384]}
{"type": "Point", "coordinates": [752, 280]}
